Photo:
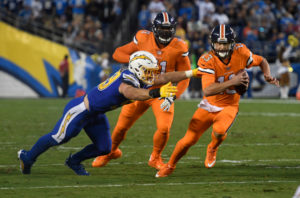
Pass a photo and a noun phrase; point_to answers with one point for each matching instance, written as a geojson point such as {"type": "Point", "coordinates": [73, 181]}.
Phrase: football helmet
{"type": "Point", "coordinates": [223, 34]}
{"type": "Point", "coordinates": [144, 65]}
{"type": "Point", "coordinates": [164, 28]}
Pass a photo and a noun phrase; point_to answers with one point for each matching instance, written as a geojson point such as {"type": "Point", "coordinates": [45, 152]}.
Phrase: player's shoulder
{"type": "Point", "coordinates": [207, 59]}
{"type": "Point", "coordinates": [180, 46]}
{"type": "Point", "coordinates": [241, 48]}
{"type": "Point", "coordinates": [142, 36]}
{"type": "Point", "coordinates": [129, 78]}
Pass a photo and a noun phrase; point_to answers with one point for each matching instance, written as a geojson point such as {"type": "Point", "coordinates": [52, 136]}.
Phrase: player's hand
{"type": "Point", "coordinates": [241, 78]}
{"type": "Point", "coordinates": [272, 80]}
{"type": "Point", "coordinates": [168, 90]}
{"type": "Point", "coordinates": [166, 104]}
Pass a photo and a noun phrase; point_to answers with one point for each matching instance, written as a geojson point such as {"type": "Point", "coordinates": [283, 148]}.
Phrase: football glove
{"type": "Point", "coordinates": [167, 90]}
{"type": "Point", "coordinates": [166, 104]}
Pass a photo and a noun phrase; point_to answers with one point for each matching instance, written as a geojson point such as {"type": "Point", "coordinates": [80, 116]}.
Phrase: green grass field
{"type": "Point", "coordinates": [260, 157]}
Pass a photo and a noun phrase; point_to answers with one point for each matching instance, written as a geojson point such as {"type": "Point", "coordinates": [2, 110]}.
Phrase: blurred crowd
{"type": "Point", "coordinates": [263, 25]}
{"type": "Point", "coordinates": [260, 24]}
{"type": "Point", "coordinates": [81, 23]}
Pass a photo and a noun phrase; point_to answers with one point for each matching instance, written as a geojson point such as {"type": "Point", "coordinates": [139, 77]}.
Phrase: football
{"type": "Point", "coordinates": [241, 89]}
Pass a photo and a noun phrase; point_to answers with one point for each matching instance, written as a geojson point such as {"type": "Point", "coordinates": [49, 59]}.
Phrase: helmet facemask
{"type": "Point", "coordinates": [148, 75]}
{"type": "Point", "coordinates": [164, 34]}
{"type": "Point", "coordinates": [226, 51]}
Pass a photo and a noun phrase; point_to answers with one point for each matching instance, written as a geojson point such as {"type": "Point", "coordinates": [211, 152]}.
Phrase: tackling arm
{"type": "Point", "coordinates": [134, 93]}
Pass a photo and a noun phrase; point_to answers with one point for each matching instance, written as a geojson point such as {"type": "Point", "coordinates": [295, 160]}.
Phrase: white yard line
{"type": "Point", "coordinates": [13, 147]}
{"type": "Point", "coordinates": [185, 160]}
{"type": "Point", "coordinates": [269, 114]}
{"type": "Point", "coordinates": [147, 184]}
{"type": "Point", "coordinates": [255, 101]}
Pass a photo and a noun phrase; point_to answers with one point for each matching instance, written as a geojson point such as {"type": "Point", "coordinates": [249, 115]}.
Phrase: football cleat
{"type": "Point", "coordinates": [211, 155]}
{"type": "Point", "coordinates": [25, 162]}
{"type": "Point", "coordinates": [104, 159]}
{"type": "Point", "coordinates": [156, 161]}
{"type": "Point", "coordinates": [165, 171]}
{"type": "Point", "coordinates": [77, 168]}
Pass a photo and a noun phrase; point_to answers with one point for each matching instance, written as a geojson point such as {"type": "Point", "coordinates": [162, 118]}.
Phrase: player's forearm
{"type": "Point", "coordinates": [173, 77]}
{"type": "Point", "coordinates": [265, 68]}
{"type": "Point", "coordinates": [217, 88]}
{"type": "Point", "coordinates": [137, 94]}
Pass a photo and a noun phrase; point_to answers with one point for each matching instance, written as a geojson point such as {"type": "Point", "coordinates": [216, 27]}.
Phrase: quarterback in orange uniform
{"type": "Point", "coordinates": [220, 104]}
{"type": "Point", "coordinates": [172, 55]}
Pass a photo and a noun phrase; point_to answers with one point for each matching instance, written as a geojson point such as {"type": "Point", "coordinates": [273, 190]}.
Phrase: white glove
{"type": "Point", "coordinates": [165, 106]}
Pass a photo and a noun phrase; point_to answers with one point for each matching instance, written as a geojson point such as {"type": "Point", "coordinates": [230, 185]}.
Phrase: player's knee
{"type": "Point", "coordinates": [104, 149]}
{"type": "Point", "coordinates": [219, 135]}
{"type": "Point", "coordinates": [121, 129]}
{"type": "Point", "coordinates": [164, 130]}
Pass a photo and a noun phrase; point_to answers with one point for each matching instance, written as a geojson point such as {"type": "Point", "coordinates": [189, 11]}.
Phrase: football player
{"type": "Point", "coordinates": [220, 103]}
{"type": "Point", "coordinates": [88, 112]}
{"type": "Point", "coordinates": [172, 55]}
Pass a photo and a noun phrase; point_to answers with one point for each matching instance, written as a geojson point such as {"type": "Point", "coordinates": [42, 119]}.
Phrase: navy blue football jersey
{"type": "Point", "coordinates": [106, 95]}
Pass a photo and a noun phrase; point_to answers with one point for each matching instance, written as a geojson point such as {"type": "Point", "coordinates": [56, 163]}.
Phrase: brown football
{"type": "Point", "coordinates": [241, 89]}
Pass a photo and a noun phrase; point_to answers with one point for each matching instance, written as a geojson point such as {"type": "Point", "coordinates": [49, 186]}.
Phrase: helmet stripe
{"type": "Point", "coordinates": [166, 17]}
{"type": "Point", "coordinates": [222, 32]}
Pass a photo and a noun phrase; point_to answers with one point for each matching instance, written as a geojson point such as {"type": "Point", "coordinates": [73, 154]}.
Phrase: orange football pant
{"type": "Point", "coordinates": [131, 112]}
{"type": "Point", "coordinates": [201, 121]}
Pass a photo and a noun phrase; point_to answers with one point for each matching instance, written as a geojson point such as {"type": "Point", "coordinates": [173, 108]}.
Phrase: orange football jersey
{"type": "Point", "coordinates": [173, 57]}
{"type": "Point", "coordinates": [214, 70]}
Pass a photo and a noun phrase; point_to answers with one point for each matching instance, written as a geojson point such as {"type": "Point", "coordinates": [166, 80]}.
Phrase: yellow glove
{"type": "Point", "coordinates": [293, 41]}
{"type": "Point", "coordinates": [192, 73]}
{"type": "Point", "coordinates": [168, 90]}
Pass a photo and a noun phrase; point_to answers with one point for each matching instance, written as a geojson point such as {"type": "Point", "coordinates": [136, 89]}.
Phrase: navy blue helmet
{"type": "Point", "coordinates": [223, 34]}
{"type": "Point", "coordinates": [164, 28]}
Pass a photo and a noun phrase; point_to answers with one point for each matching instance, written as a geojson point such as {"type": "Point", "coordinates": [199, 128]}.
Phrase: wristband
{"type": "Point", "coordinates": [189, 73]}
{"type": "Point", "coordinates": [154, 93]}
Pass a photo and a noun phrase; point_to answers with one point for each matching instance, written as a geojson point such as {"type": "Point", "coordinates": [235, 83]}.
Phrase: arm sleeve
{"type": "Point", "coordinates": [256, 60]}
{"type": "Point", "coordinates": [206, 70]}
{"type": "Point", "coordinates": [251, 59]}
{"type": "Point", "coordinates": [122, 54]}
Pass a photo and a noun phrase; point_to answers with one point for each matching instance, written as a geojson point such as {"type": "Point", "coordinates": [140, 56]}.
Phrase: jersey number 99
{"type": "Point", "coordinates": [109, 81]}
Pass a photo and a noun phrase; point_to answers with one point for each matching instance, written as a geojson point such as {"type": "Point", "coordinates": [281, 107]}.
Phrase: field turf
{"type": "Point", "coordinates": [260, 157]}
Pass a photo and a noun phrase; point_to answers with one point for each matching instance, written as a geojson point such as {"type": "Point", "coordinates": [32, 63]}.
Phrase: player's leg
{"type": "Point", "coordinates": [129, 114]}
{"type": "Point", "coordinates": [222, 122]}
{"type": "Point", "coordinates": [67, 127]}
{"type": "Point", "coordinates": [164, 121]}
{"type": "Point", "coordinates": [98, 131]}
{"type": "Point", "coordinates": [200, 122]}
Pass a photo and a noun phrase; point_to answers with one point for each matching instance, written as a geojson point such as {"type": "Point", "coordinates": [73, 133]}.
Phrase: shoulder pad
{"type": "Point", "coordinates": [181, 46]}
{"type": "Point", "coordinates": [141, 35]}
{"type": "Point", "coordinates": [243, 51]}
{"type": "Point", "coordinates": [206, 62]}
{"type": "Point", "coordinates": [129, 78]}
